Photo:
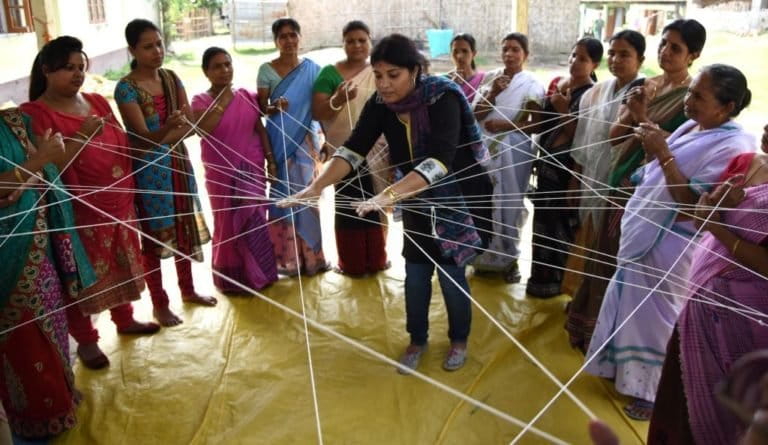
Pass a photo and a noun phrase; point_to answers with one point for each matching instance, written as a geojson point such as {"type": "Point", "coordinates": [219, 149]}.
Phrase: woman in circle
{"type": "Point", "coordinates": [507, 110]}
{"type": "Point", "coordinates": [285, 96]}
{"type": "Point", "coordinates": [430, 129]}
{"type": "Point", "coordinates": [657, 100]}
{"type": "Point", "coordinates": [593, 154]}
{"type": "Point", "coordinates": [340, 92]}
{"type": "Point", "coordinates": [728, 273]}
{"type": "Point", "coordinates": [44, 265]}
{"type": "Point", "coordinates": [103, 163]}
{"type": "Point", "coordinates": [556, 216]}
{"type": "Point", "coordinates": [465, 72]}
{"type": "Point", "coordinates": [234, 148]}
{"type": "Point", "coordinates": [645, 295]}
{"type": "Point", "coordinates": [155, 110]}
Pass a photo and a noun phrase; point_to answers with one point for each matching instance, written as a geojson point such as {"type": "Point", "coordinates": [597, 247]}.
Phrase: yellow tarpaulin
{"type": "Point", "coordinates": [239, 373]}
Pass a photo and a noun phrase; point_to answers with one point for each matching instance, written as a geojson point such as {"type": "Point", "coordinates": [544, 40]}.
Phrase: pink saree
{"type": "Point", "coordinates": [235, 179]}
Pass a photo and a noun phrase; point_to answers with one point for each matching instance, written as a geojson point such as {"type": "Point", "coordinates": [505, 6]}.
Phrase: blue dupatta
{"type": "Point", "coordinates": [288, 133]}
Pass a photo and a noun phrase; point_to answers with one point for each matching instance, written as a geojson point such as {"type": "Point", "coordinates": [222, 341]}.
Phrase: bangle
{"type": "Point", "coordinates": [330, 104]}
{"type": "Point", "coordinates": [666, 162]}
{"type": "Point", "coordinates": [82, 135]}
{"type": "Point", "coordinates": [735, 246]}
{"type": "Point", "coordinates": [218, 108]}
{"type": "Point", "coordinates": [393, 195]}
{"type": "Point", "coordinates": [17, 172]}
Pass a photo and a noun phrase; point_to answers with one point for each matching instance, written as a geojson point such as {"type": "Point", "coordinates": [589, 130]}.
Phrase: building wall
{"type": "Point", "coordinates": [739, 17]}
{"type": "Point", "coordinates": [103, 38]}
{"type": "Point", "coordinates": [103, 42]}
{"type": "Point", "coordinates": [323, 20]}
{"type": "Point", "coordinates": [552, 35]}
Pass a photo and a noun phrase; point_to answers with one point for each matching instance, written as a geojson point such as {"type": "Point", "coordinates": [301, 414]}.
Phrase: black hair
{"type": "Point", "coordinates": [210, 53]}
{"type": "Point", "coordinates": [286, 21]}
{"type": "Point", "coordinates": [692, 32]}
{"type": "Point", "coordinates": [356, 25]}
{"type": "Point", "coordinates": [54, 55]}
{"type": "Point", "coordinates": [133, 31]}
{"type": "Point", "coordinates": [634, 38]}
{"type": "Point", "coordinates": [594, 49]}
{"type": "Point", "coordinates": [470, 39]}
{"type": "Point", "coordinates": [399, 50]}
{"type": "Point", "coordinates": [730, 86]}
{"type": "Point", "coordinates": [520, 38]}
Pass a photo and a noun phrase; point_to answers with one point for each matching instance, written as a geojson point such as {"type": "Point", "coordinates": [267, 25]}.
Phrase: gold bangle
{"type": "Point", "coordinates": [393, 195]}
{"type": "Point", "coordinates": [666, 162]}
{"type": "Point", "coordinates": [735, 246]}
{"type": "Point", "coordinates": [17, 172]}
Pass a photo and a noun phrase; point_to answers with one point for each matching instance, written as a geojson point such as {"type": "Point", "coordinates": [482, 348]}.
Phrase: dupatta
{"type": "Point", "coordinates": [72, 261]}
{"type": "Point", "coordinates": [701, 156]}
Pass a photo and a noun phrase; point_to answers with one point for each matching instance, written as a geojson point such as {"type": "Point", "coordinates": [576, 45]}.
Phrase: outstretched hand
{"type": "Point", "coordinates": [300, 198]}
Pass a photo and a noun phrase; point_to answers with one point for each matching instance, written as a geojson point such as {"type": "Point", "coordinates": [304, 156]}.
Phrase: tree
{"type": "Point", "coordinates": [173, 10]}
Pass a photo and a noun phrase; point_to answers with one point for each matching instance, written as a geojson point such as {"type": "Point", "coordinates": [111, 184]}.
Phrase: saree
{"type": "Point", "coordinates": [43, 261]}
{"type": "Point", "coordinates": [592, 151]}
{"type": "Point", "coordinates": [360, 241]}
{"type": "Point", "coordinates": [235, 179]}
{"type": "Point", "coordinates": [600, 264]}
{"type": "Point", "coordinates": [554, 219]}
{"type": "Point", "coordinates": [470, 86]}
{"type": "Point", "coordinates": [654, 243]}
{"type": "Point", "coordinates": [295, 143]}
{"type": "Point", "coordinates": [511, 159]}
{"type": "Point", "coordinates": [710, 339]}
{"type": "Point", "coordinates": [104, 165]}
{"type": "Point", "coordinates": [170, 211]}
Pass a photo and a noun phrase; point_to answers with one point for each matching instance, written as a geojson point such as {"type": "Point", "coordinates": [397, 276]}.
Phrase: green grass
{"type": "Point", "coordinates": [254, 51]}
{"type": "Point", "coordinates": [118, 74]}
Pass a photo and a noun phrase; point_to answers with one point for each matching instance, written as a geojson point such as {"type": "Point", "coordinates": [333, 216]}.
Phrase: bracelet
{"type": "Point", "coordinates": [17, 172]}
{"type": "Point", "coordinates": [666, 162]}
{"type": "Point", "coordinates": [735, 246]}
{"type": "Point", "coordinates": [393, 195]}
{"type": "Point", "coordinates": [330, 104]}
{"type": "Point", "coordinates": [218, 108]}
{"type": "Point", "coordinates": [82, 135]}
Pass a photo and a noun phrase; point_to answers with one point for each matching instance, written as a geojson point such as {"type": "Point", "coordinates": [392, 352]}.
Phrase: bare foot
{"type": "Point", "coordinates": [202, 300]}
{"type": "Point", "coordinates": [92, 356]}
{"type": "Point", "coordinates": [165, 317]}
{"type": "Point", "coordinates": [139, 328]}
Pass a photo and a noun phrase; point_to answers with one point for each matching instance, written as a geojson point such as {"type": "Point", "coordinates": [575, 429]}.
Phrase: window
{"type": "Point", "coordinates": [18, 16]}
{"type": "Point", "coordinates": [96, 11]}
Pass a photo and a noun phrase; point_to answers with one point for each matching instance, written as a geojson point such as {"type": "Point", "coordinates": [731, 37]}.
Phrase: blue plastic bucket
{"type": "Point", "coordinates": [439, 41]}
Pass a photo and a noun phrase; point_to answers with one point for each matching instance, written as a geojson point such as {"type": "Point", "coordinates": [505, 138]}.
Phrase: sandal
{"type": "Point", "coordinates": [639, 409]}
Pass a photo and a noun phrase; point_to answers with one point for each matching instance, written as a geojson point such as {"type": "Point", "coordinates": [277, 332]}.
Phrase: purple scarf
{"type": "Point", "coordinates": [454, 227]}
